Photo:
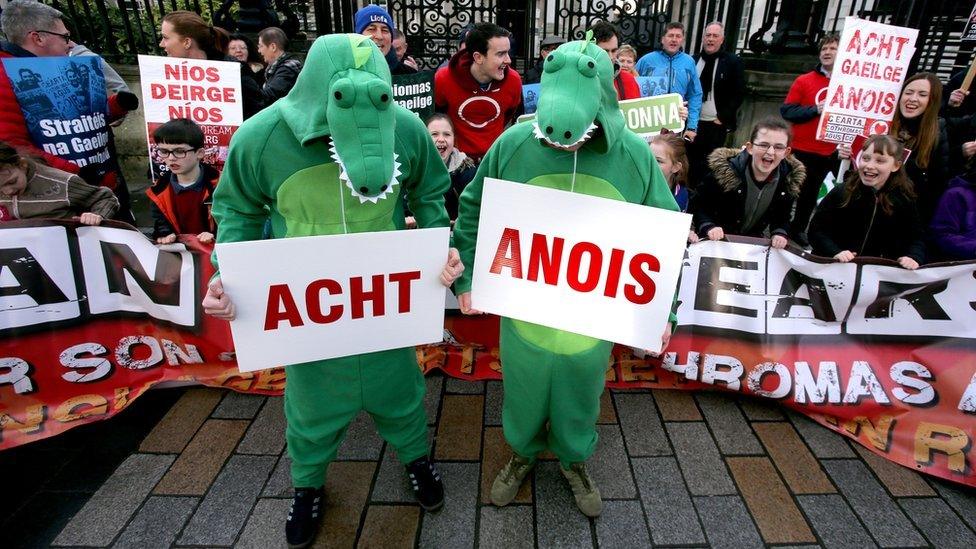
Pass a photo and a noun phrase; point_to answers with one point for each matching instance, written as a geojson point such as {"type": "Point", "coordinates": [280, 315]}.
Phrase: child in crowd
{"type": "Point", "coordinates": [29, 189]}
{"type": "Point", "coordinates": [750, 192]}
{"type": "Point", "coordinates": [672, 157]}
{"type": "Point", "coordinates": [953, 228]}
{"type": "Point", "coordinates": [627, 58]}
{"type": "Point", "coordinates": [180, 198]}
{"type": "Point", "coordinates": [873, 213]}
{"type": "Point", "coordinates": [459, 166]}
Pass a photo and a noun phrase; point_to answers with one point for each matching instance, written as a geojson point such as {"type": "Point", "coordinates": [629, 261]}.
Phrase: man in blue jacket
{"type": "Point", "coordinates": [674, 71]}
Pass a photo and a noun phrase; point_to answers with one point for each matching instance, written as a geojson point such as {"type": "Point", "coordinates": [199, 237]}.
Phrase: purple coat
{"type": "Point", "coordinates": [953, 228]}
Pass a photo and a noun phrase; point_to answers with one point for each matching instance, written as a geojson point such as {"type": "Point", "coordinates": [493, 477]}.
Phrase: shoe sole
{"type": "Point", "coordinates": [303, 545]}
{"type": "Point", "coordinates": [432, 508]}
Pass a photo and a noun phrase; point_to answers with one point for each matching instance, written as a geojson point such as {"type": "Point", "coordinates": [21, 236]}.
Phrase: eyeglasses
{"type": "Point", "coordinates": [175, 153]}
{"type": "Point", "coordinates": [66, 36]}
{"type": "Point", "coordinates": [763, 147]}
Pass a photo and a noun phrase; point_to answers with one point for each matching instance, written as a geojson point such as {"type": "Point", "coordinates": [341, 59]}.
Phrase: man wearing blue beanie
{"type": "Point", "coordinates": [375, 22]}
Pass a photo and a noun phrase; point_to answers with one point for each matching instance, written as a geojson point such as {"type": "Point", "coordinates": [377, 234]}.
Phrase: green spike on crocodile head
{"type": "Point", "coordinates": [344, 92]}
{"type": "Point", "coordinates": [577, 96]}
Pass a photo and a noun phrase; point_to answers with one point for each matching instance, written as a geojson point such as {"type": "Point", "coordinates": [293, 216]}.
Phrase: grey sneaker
{"type": "Point", "coordinates": [586, 493]}
{"type": "Point", "coordinates": [510, 479]}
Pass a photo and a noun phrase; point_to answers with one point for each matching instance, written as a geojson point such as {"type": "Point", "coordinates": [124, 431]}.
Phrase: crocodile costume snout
{"type": "Point", "coordinates": [337, 155]}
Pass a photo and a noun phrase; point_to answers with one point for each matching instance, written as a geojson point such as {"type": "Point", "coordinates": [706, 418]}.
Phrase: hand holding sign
{"type": "Point", "coordinates": [216, 303]}
{"type": "Point", "coordinates": [453, 268]}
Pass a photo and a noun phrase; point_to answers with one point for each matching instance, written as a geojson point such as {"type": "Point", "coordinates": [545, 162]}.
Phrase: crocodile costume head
{"type": "Point", "coordinates": [577, 97]}
{"type": "Point", "coordinates": [344, 92]}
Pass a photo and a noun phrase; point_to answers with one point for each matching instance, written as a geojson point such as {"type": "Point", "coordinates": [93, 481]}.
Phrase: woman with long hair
{"type": "Point", "coordinates": [185, 34]}
{"type": "Point", "coordinates": [873, 213]}
{"type": "Point", "coordinates": [919, 128]}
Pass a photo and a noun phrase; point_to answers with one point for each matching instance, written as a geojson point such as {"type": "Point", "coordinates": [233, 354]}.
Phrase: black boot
{"type": "Point", "coordinates": [304, 517]}
{"type": "Point", "coordinates": [427, 485]}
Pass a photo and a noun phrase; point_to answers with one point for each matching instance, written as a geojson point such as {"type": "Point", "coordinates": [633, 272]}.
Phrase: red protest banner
{"type": "Point", "coordinates": [91, 317]}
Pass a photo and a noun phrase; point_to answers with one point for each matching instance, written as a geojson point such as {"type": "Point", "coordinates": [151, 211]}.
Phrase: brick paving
{"type": "Point", "coordinates": [675, 468]}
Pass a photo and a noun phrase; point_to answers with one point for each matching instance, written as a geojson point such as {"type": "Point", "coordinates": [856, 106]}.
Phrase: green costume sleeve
{"type": "Point", "coordinates": [239, 206]}
{"type": "Point", "coordinates": [429, 180]}
{"type": "Point", "coordinates": [469, 212]}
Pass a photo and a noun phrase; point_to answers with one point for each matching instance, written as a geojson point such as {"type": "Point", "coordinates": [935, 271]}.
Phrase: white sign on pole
{"type": "Point", "coordinates": [872, 59]}
{"type": "Point", "coordinates": [598, 267]}
{"type": "Point", "coordinates": [353, 294]}
{"type": "Point", "coordinates": [206, 92]}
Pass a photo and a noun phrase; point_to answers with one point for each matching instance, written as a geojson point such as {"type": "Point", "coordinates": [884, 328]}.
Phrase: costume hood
{"type": "Point", "coordinates": [576, 97]}
{"type": "Point", "coordinates": [344, 93]}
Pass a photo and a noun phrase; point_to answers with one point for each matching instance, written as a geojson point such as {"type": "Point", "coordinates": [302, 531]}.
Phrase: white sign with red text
{"type": "Point", "coordinates": [869, 70]}
{"type": "Point", "coordinates": [206, 92]}
{"type": "Point", "coordinates": [598, 267]}
{"type": "Point", "coordinates": [313, 298]}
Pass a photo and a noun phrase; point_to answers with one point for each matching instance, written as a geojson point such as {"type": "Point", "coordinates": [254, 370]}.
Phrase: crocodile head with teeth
{"type": "Point", "coordinates": [344, 93]}
{"type": "Point", "coordinates": [577, 97]}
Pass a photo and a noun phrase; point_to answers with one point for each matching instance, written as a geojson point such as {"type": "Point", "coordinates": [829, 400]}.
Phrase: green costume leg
{"type": "Point", "coordinates": [321, 398]}
{"type": "Point", "coordinates": [542, 385]}
{"type": "Point", "coordinates": [575, 404]}
{"type": "Point", "coordinates": [393, 394]}
{"type": "Point", "coordinates": [526, 374]}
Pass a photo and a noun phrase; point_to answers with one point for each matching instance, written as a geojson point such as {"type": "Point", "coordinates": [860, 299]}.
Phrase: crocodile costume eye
{"type": "Point", "coordinates": [344, 93]}
{"type": "Point", "coordinates": [379, 94]}
{"type": "Point", "coordinates": [586, 66]}
{"type": "Point", "coordinates": [555, 61]}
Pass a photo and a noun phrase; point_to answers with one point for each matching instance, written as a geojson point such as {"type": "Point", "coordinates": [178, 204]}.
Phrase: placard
{"type": "Point", "coordinates": [354, 294]}
{"type": "Point", "coordinates": [646, 116]}
{"type": "Point", "coordinates": [207, 92]}
{"type": "Point", "coordinates": [598, 267]}
{"type": "Point", "coordinates": [870, 68]}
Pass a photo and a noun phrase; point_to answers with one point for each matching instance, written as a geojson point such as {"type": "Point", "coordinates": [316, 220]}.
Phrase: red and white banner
{"type": "Point", "coordinates": [576, 262]}
{"type": "Point", "coordinates": [90, 318]}
{"type": "Point", "coordinates": [872, 59]}
{"type": "Point", "coordinates": [207, 92]}
{"type": "Point", "coordinates": [384, 293]}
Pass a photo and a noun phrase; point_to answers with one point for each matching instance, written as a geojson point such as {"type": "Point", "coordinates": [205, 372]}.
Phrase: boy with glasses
{"type": "Point", "coordinates": [180, 198]}
{"type": "Point", "coordinates": [750, 192]}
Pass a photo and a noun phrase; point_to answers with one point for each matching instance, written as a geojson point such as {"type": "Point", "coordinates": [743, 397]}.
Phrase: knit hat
{"type": "Point", "coordinates": [373, 14]}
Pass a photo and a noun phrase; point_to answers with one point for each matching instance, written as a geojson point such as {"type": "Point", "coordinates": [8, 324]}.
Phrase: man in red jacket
{"type": "Point", "coordinates": [479, 90]}
{"type": "Point", "coordinates": [37, 30]}
{"type": "Point", "coordinates": [802, 107]}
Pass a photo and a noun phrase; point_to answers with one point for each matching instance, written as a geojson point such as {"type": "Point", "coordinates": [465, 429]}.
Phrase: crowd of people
{"type": "Point", "coordinates": [910, 195]}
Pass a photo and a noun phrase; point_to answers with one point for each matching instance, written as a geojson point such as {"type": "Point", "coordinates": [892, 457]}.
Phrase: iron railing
{"type": "Point", "coordinates": [119, 29]}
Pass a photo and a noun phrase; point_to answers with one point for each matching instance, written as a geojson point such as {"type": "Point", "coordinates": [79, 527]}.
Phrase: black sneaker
{"type": "Point", "coordinates": [304, 516]}
{"type": "Point", "coordinates": [427, 485]}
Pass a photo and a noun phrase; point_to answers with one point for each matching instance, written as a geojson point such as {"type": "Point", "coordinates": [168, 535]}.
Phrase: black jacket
{"type": "Point", "coordinates": [721, 196]}
{"type": "Point", "coordinates": [533, 74]}
{"type": "Point", "coordinates": [251, 96]}
{"type": "Point", "coordinates": [730, 87]}
{"type": "Point", "coordinates": [835, 228]}
{"type": "Point", "coordinates": [930, 182]}
{"type": "Point", "coordinates": [279, 77]}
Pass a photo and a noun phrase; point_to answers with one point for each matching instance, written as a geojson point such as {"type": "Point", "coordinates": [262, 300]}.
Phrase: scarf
{"type": "Point", "coordinates": [708, 72]}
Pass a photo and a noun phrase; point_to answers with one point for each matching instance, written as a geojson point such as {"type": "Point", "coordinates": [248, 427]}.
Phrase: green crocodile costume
{"type": "Point", "coordinates": [337, 155]}
{"type": "Point", "coordinates": [553, 379]}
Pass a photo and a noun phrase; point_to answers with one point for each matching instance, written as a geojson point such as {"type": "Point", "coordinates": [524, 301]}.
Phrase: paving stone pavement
{"type": "Point", "coordinates": [675, 469]}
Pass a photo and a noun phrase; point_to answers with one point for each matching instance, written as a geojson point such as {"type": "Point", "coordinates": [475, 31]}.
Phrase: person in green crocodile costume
{"type": "Point", "coordinates": [553, 379]}
{"type": "Point", "coordinates": [337, 155]}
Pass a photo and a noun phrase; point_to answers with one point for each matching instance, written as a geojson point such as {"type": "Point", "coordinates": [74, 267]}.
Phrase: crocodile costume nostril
{"type": "Point", "coordinates": [337, 156]}
{"type": "Point", "coordinates": [553, 379]}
